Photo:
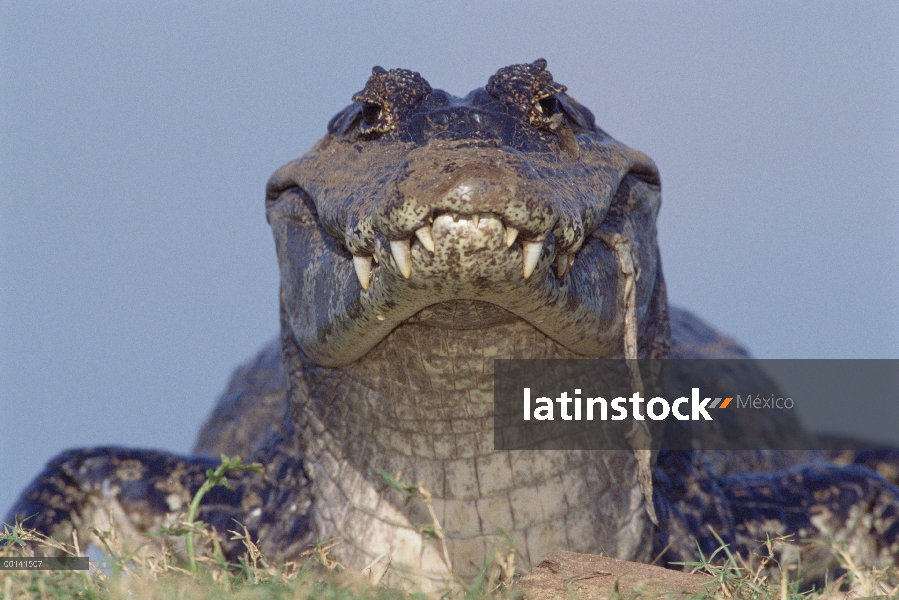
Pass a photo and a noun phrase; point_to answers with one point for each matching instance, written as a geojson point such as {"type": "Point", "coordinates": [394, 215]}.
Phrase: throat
{"type": "Point", "coordinates": [419, 408]}
{"type": "Point", "coordinates": [427, 393]}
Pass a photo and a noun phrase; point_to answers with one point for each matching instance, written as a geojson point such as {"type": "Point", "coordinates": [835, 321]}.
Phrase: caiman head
{"type": "Point", "coordinates": [509, 202]}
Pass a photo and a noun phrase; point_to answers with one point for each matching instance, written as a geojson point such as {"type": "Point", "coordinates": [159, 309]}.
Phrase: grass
{"type": "Point", "coordinates": [157, 571]}
{"type": "Point", "coordinates": [762, 576]}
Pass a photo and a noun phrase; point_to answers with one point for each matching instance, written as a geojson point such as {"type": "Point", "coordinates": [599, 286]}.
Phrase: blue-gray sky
{"type": "Point", "coordinates": [136, 267]}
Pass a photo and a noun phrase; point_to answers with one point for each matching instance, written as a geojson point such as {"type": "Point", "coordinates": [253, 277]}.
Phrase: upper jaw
{"type": "Point", "coordinates": [487, 226]}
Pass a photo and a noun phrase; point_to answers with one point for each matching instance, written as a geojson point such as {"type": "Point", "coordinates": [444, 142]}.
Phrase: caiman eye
{"type": "Point", "coordinates": [548, 106]}
{"type": "Point", "coordinates": [376, 119]}
{"type": "Point", "coordinates": [371, 113]}
{"type": "Point", "coordinates": [362, 119]}
{"type": "Point", "coordinates": [550, 114]}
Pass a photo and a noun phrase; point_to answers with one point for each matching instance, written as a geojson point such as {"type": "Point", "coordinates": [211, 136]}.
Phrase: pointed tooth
{"type": "Point", "coordinates": [475, 219]}
{"type": "Point", "coordinates": [375, 256]}
{"type": "Point", "coordinates": [569, 260]}
{"type": "Point", "coordinates": [362, 264]}
{"type": "Point", "coordinates": [402, 255]}
{"type": "Point", "coordinates": [511, 234]}
{"type": "Point", "coordinates": [424, 236]}
{"type": "Point", "coordinates": [561, 265]}
{"type": "Point", "coordinates": [444, 221]}
{"type": "Point", "coordinates": [531, 253]}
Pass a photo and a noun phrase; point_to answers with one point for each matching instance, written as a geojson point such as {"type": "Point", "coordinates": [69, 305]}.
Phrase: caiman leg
{"type": "Point", "coordinates": [850, 508]}
{"type": "Point", "coordinates": [134, 492]}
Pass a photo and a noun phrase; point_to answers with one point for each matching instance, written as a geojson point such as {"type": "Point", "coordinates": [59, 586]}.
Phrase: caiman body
{"type": "Point", "coordinates": [423, 237]}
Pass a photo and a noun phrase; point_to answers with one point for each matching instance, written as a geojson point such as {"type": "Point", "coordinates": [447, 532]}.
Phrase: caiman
{"type": "Point", "coordinates": [423, 237]}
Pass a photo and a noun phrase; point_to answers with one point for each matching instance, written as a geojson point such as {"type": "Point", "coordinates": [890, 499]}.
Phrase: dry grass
{"type": "Point", "coordinates": [763, 576]}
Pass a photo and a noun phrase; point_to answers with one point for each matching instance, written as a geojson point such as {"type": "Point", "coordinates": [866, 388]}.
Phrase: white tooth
{"type": "Point", "coordinates": [511, 234]}
{"type": "Point", "coordinates": [424, 236]}
{"type": "Point", "coordinates": [444, 221]}
{"type": "Point", "coordinates": [475, 219]}
{"type": "Point", "coordinates": [362, 264]}
{"type": "Point", "coordinates": [531, 252]}
{"type": "Point", "coordinates": [402, 255]}
{"type": "Point", "coordinates": [375, 256]}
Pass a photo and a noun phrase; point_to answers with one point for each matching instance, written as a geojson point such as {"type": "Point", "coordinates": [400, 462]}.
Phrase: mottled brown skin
{"type": "Point", "coordinates": [388, 366]}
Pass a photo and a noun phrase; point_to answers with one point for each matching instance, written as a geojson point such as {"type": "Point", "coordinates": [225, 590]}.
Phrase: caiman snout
{"type": "Point", "coordinates": [470, 203]}
{"type": "Point", "coordinates": [528, 208]}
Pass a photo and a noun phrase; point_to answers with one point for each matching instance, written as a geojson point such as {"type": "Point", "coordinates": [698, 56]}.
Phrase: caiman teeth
{"type": "Point", "coordinates": [362, 264]}
{"type": "Point", "coordinates": [402, 255]}
{"type": "Point", "coordinates": [531, 254]}
{"type": "Point", "coordinates": [424, 236]}
{"type": "Point", "coordinates": [511, 234]}
{"type": "Point", "coordinates": [402, 249]}
{"type": "Point", "coordinates": [563, 264]}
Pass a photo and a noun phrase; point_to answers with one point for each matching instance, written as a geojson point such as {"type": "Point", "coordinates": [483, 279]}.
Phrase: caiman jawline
{"type": "Point", "coordinates": [401, 250]}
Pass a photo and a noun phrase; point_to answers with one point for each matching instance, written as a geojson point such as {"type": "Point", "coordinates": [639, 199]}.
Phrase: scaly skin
{"type": "Point", "coordinates": [392, 369]}
{"type": "Point", "coordinates": [423, 237]}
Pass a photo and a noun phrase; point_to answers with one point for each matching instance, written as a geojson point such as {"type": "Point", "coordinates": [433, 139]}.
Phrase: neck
{"type": "Point", "coordinates": [419, 406]}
